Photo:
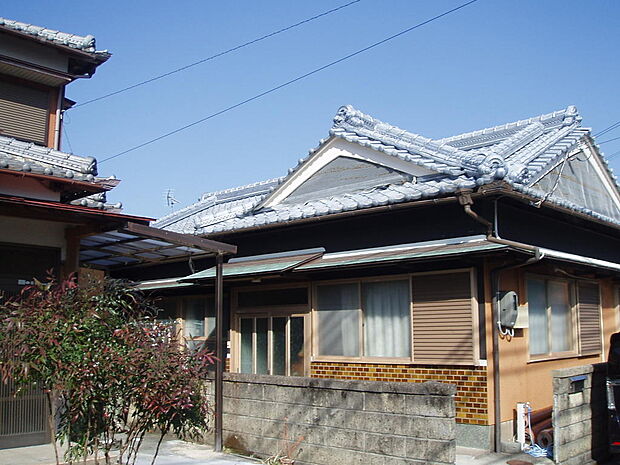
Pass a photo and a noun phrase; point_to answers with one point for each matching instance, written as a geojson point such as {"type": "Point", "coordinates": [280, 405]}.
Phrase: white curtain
{"type": "Point", "coordinates": [387, 319]}
{"type": "Point", "coordinates": [339, 319]}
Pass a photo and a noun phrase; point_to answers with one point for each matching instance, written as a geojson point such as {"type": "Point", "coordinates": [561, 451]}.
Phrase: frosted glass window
{"type": "Point", "coordinates": [210, 318]}
{"type": "Point", "coordinates": [537, 313]}
{"type": "Point", "coordinates": [194, 316]}
{"type": "Point", "coordinates": [550, 316]}
{"type": "Point", "coordinates": [279, 345]}
{"type": "Point", "coordinates": [272, 345]}
{"type": "Point", "coordinates": [387, 319]}
{"type": "Point", "coordinates": [338, 312]}
{"type": "Point", "coordinates": [247, 330]}
{"type": "Point", "coordinates": [561, 327]}
{"type": "Point", "coordinates": [262, 327]}
{"type": "Point", "coordinates": [297, 346]}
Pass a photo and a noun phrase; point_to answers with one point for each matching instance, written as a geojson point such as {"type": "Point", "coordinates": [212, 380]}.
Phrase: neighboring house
{"type": "Point", "coordinates": [377, 258]}
{"type": "Point", "coordinates": [48, 199]}
{"type": "Point", "coordinates": [53, 211]}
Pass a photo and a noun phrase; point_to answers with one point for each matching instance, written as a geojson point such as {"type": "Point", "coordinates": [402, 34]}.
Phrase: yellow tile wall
{"type": "Point", "coordinates": [471, 382]}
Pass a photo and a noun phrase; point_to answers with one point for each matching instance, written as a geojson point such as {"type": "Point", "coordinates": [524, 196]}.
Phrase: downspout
{"type": "Point", "coordinates": [466, 200]}
{"type": "Point", "coordinates": [58, 125]}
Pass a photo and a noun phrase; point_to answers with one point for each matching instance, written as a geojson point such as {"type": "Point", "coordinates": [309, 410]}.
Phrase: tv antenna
{"type": "Point", "coordinates": [170, 200]}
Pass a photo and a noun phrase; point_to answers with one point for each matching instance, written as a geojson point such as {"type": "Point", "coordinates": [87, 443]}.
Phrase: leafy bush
{"type": "Point", "coordinates": [111, 369]}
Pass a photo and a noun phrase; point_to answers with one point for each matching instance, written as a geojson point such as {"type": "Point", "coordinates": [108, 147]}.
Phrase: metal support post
{"type": "Point", "coordinates": [219, 351]}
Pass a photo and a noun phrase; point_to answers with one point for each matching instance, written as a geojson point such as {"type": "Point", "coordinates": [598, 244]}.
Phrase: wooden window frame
{"type": "Point", "coordinates": [270, 316]}
{"type": "Point", "coordinates": [272, 311]}
{"type": "Point", "coordinates": [316, 357]}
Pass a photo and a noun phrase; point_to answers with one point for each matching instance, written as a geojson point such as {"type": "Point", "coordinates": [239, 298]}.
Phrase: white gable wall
{"type": "Point", "coordinates": [333, 149]}
{"type": "Point", "coordinates": [610, 185]}
{"type": "Point", "coordinates": [584, 181]}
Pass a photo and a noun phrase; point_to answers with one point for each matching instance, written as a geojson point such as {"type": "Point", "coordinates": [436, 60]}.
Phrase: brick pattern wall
{"type": "Point", "coordinates": [471, 382]}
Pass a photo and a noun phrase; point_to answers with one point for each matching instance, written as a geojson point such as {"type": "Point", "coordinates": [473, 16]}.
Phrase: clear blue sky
{"type": "Point", "coordinates": [493, 62]}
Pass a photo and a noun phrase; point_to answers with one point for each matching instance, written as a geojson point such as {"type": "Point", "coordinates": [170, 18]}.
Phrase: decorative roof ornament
{"type": "Point", "coordinates": [481, 163]}
{"type": "Point", "coordinates": [571, 116]}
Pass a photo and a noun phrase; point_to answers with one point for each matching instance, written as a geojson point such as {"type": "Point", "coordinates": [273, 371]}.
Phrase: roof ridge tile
{"type": "Point", "coordinates": [83, 43]}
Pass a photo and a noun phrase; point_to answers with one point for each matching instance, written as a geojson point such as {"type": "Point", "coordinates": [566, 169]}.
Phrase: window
{"type": "Point", "coordinates": [364, 319]}
{"type": "Point", "coordinates": [272, 345]}
{"type": "Point", "coordinates": [426, 318]}
{"type": "Point", "coordinates": [270, 331]}
{"type": "Point", "coordinates": [24, 111]}
{"type": "Point", "coordinates": [551, 315]}
{"type": "Point", "coordinates": [198, 320]}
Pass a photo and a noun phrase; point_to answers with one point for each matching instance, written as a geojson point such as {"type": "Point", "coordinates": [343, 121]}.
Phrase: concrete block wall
{"type": "Point", "coordinates": [579, 418]}
{"type": "Point", "coordinates": [332, 422]}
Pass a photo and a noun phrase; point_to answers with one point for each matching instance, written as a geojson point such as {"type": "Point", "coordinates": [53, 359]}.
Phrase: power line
{"type": "Point", "coordinates": [217, 55]}
{"type": "Point", "coordinates": [607, 129]}
{"type": "Point", "coordinates": [288, 83]}
{"type": "Point", "coordinates": [613, 155]}
{"type": "Point", "coordinates": [64, 130]}
{"type": "Point", "coordinates": [608, 140]}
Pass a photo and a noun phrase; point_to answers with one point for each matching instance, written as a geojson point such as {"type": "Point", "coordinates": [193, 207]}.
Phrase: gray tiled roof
{"type": "Point", "coordinates": [27, 157]}
{"type": "Point", "coordinates": [83, 43]}
{"type": "Point", "coordinates": [98, 201]}
{"type": "Point", "coordinates": [30, 157]}
{"type": "Point", "coordinates": [516, 154]}
{"type": "Point", "coordinates": [214, 207]}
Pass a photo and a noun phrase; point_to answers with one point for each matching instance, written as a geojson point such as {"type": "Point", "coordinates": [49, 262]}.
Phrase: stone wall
{"type": "Point", "coordinates": [331, 422]}
{"type": "Point", "coordinates": [579, 415]}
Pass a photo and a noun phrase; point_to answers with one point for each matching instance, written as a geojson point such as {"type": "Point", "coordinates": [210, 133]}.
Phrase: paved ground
{"type": "Point", "coordinates": [176, 452]}
{"type": "Point", "coordinates": [171, 452]}
{"type": "Point", "coordinates": [480, 457]}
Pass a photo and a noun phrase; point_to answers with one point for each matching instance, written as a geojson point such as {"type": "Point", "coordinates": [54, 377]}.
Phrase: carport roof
{"type": "Point", "coordinates": [136, 244]}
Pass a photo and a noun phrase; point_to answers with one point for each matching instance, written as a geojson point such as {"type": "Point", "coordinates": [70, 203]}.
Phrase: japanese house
{"type": "Point", "coordinates": [385, 255]}
{"type": "Point", "coordinates": [50, 200]}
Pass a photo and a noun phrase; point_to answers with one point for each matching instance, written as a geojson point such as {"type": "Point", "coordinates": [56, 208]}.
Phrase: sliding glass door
{"type": "Point", "coordinates": [272, 345]}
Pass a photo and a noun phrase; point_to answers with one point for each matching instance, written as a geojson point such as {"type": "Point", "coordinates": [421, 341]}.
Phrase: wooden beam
{"type": "Point", "coordinates": [72, 257]}
{"type": "Point", "coordinates": [181, 239]}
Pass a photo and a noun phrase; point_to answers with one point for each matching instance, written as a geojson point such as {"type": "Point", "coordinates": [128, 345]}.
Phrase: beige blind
{"type": "Point", "coordinates": [442, 318]}
{"type": "Point", "coordinates": [23, 112]}
{"type": "Point", "coordinates": [589, 307]}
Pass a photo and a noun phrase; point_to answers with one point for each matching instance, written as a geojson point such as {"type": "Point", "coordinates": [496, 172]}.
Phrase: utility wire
{"type": "Point", "coordinates": [608, 140]}
{"type": "Point", "coordinates": [217, 55]}
{"type": "Point", "coordinates": [288, 83]}
{"type": "Point", "coordinates": [64, 130]}
{"type": "Point", "coordinates": [613, 155]}
{"type": "Point", "coordinates": [607, 129]}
